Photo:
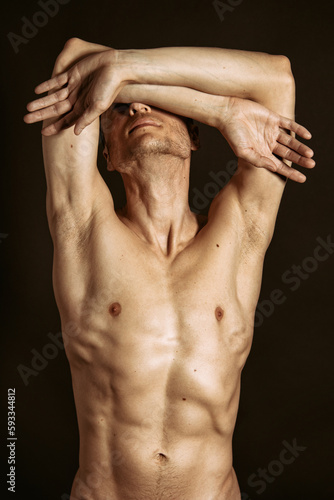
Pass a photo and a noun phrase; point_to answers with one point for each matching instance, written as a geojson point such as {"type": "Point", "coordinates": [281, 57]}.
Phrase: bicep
{"type": "Point", "coordinates": [243, 215]}
{"type": "Point", "coordinates": [75, 188]}
{"type": "Point", "coordinates": [70, 160]}
{"type": "Point", "coordinates": [74, 183]}
{"type": "Point", "coordinates": [249, 201]}
{"type": "Point", "coordinates": [259, 193]}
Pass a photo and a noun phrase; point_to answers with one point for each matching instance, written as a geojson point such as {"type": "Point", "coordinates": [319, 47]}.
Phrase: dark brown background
{"type": "Point", "coordinates": [287, 384]}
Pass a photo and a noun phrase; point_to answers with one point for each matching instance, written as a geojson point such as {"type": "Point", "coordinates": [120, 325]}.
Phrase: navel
{"type": "Point", "coordinates": [161, 458]}
{"type": "Point", "coordinates": [219, 313]}
{"type": "Point", "coordinates": [115, 309]}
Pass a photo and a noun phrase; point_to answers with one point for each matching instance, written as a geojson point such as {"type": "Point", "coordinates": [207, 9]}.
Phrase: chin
{"type": "Point", "coordinates": [150, 145]}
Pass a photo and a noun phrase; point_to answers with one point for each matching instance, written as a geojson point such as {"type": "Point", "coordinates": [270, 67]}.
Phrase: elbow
{"type": "Point", "coordinates": [65, 58]}
{"type": "Point", "coordinates": [284, 64]}
{"type": "Point", "coordinates": [283, 70]}
{"type": "Point", "coordinates": [276, 90]}
{"type": "Point", "coordinates": [282, 90]}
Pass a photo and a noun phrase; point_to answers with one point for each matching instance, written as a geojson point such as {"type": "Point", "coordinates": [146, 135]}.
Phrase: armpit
{"type": "Point", "coordinates": [256, 237]}
{"type": "Point", "coordinates": [67, 228]}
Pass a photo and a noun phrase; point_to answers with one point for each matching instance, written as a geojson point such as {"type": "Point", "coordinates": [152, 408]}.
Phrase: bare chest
{"type": "Point", "coordinates": [147, 331]}
{"type": "Point", "coordinates": [189, 307]}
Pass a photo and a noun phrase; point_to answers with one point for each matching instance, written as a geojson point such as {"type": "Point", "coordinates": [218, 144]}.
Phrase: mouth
{"type": "Point", "coordinates": [143, 123]}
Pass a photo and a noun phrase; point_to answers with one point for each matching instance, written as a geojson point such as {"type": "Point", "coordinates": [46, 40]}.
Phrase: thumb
{"type": "Point", "coordinates": [87, 117]}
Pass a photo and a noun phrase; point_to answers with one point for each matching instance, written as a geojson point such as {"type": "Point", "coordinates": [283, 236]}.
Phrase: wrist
{"type": "Point", "coordinates": [145, 66]}
{"type": "Point", "coordinates": [131, 65]}
{"type": "Point", "coordinates": [223, 111]}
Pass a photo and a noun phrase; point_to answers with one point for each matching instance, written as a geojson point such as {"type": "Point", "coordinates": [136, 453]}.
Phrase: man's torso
{"type": "Point", "coordinates": [156, 347]}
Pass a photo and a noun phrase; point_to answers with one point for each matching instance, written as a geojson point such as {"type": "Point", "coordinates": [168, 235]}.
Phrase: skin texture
{"type": "Point", "coordinates": [157, 359]}
{"type": "Point", "coordinates": [156, 303]}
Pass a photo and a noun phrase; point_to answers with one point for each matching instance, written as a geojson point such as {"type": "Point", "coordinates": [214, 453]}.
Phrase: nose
{"type": "Point", "coordinates": [138, 107]}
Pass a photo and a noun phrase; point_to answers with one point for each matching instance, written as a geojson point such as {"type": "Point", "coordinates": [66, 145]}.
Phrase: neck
{"type": "Point", "coordinates": [157, 206]}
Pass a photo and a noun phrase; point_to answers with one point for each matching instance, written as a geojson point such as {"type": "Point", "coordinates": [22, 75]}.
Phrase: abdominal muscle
{"type": "Point", "coordinates": [156, 413]}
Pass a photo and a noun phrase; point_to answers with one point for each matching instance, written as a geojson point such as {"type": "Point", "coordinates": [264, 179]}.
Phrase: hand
{"type": "Point", "coordinates": [81, 93]}
{"type": "Point", "coordinates": [255, 134]}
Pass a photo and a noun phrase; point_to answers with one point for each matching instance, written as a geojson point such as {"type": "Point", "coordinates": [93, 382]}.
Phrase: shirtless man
{"type": "Point", "coordinates": [157, 304]}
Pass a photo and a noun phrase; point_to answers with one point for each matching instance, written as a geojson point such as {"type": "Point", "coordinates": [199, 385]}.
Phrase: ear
{"type": "Point", "coordinates": [194, 136]}
{"type": "Point", "coordinates": [107, 157]}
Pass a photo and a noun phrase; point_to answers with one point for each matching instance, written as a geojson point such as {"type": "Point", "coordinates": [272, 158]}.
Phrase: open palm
{"type": "Point", "coordinates": [257, 134]}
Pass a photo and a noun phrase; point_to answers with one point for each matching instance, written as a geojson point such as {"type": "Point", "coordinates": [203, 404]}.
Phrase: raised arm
{"type": "Point", "coordinates": [254, 130]}
{"type": "Point", "coordinates": [261, 106]}
{"type": "Point", "coordinates": [212, 70]}
{"type": "Point", "coordinates": [75, 188]}
{"type": "Point", "coordinates": [112, 84]}
{"type": "Point", "coordinates": [223, 72]}
{"type": "Point", "coordinates": [260, 136]}
{"type": "Point", "coordinates": [254, 133]}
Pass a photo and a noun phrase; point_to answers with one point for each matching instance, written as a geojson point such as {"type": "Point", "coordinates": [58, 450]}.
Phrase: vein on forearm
{"type": "Point", "coordinates": [216, 71]}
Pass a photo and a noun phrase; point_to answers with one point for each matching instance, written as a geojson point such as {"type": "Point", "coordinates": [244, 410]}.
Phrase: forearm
{"type": "Point", "coordinates": [251, 75]}
{"type": "Point", "coordinates": [205, 108]}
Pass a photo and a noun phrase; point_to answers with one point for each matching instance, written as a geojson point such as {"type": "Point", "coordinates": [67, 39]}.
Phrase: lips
{"type": "Point", "coordinates": [142, 123]}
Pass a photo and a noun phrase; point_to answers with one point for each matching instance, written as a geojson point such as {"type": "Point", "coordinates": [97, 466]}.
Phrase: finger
{"type": "Point", "coordinates": [294, 144]}
{"type": "Point", "coordinates": [52, 129]}
{"type": "Point", "coordinates": [294, 157]}
{"type": "Point", "coordinates": [56, 81]}
{"type": "Point", "coordinates": [89, 115]}
{"type": "Point", "coordinates": [289, 172]}
{"type": "Point", "coordinates": [61, 124]}
{"type": "Point", "coordinates": [48, 100]}
{"type": "Point", "coordinates": [57, 109]}
{"type": "Point", "coordinates": [258, 161]}
{"type": "Point", "coordinates": [273, 165]}
{"type": "Point", "coordinates": [295, 127]}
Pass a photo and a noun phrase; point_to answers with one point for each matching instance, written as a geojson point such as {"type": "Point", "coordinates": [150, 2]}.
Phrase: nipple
{"type": "Point", "coordinates": [115, 309]}
{"type": "Point", "coordinates": [219, 313]}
